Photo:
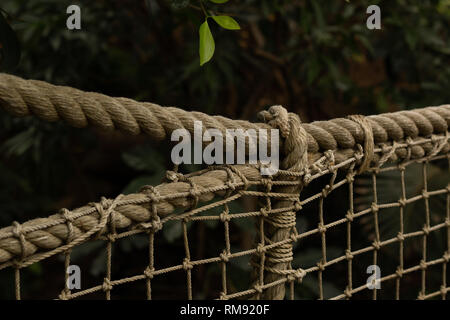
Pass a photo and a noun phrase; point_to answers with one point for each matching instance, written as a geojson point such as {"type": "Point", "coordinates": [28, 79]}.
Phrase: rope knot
{"type": "Point", "coordinates": [277, 117]}
{"type": "Point", "coordinates": [66, 215]}
{"type": "Point", "coordinates": [399, 272]}
{"type": "Point", "coordinates": [349, 216]}
{"type": "Point", "coordinates": [148, 272]}
{"type": "Point", "coordinates": [258, 288]}
{"type": "Point", "coordinates": [322, 228]}
{"type": "Point", "coordinates": [293, 237]}
{"type": "Point", "coordinates": [231, 185]}
{"type": "Point", "coordinates": [321, 265]}
{"type": "Point", "coordinates": [105, 203]}
{"type": "Point", "coordinates": [350, 178]}
{"type": "Point", "coordinates": [187, 264]}
{"type": "Point", "coordinates": [297, 274]}
{"type": "Point", "coordinates": [369, 145]}
{"type": "Point", "coordinates": [151, 193]}
{"type": "Point", "coordinates": [423, 265]}
{"type": "Point", "coordinates": [374, 207]}
{"type": "Point", "coordinates": [17, 230]}
{"type": "Point", "coordinates": [152, 226]}
{"type": "Point", "coordinates": [223, 296]}
{"type": "Point", "coordinates": [19, 234]}
{"type": "Point", "coordinates": [326, 191]}
{"type": "Point", "coordinates": [298, 205]}
{"type": "Point", "coordinates": [295, 146]}
{"type": "Point", "coordinates": [376, 245]}
{"type": "Point", "coordinates": [447, 257]}
{"type": "Point", "coordinates": [329, 154]}
{"type": "Point", "coordinates": [264, 212]}
{"type": "Point", "coordinates": [348, 255]}
{"type": "Point", "coordinates": [267, 183]}
{"type": "Point", "coordinates": [111, 237]}
{"type": "Point", "coordinates": [173, 176]}
{"type": "Point", "coordinates": [224, 256]}
{"type": "Point", "coordinates": [260, 248]}
{"type": "Point", "coordinates": [18, 264]}
{"type": "Point", "coordinates": [348, 292]}
{"type": "Point", "coordinates": [63, 295]}
{"type": "Point", "coordinates": [307, 177]}
{"type": "Point", "coordinates": [156, 224]}
{"type": "Point", "coordinates": [225, 217]}
{"type": "Point", "coordinates": [107, 286]}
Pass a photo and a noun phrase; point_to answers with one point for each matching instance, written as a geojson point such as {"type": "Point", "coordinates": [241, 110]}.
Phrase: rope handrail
{"type": "Point", "coordinates": [79, 109]}
{"type": "Point", "coordinates": [310, 150]}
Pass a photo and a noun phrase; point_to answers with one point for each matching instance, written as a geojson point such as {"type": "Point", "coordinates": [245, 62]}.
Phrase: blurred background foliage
{"type": "Point", "coordinates": [315, 57]}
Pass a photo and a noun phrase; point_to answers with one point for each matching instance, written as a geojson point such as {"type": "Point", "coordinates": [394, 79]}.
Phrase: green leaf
{"type": "Point", "coordinates": [207, 45]}
{"type": "Point", "coordinates": [226, 22]}
{"type": "Point", "coordinates": [9, 46]}
{"type": "Point", "coordinates": [219, 1]}
{"type": "Point", "coordinates": [319, 14]}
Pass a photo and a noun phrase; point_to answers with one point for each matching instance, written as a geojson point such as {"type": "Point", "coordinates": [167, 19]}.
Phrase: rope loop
{"type": "Point", "coordinates": [106, 286]}
{"type": "Point", "coordinates": [369, 145]}
{"type": "Point", "coordinates": [187, 264]}
{"type": "Point", "coordinates": [18, 233]}
{"type": "Point", "coordinates": [295, 136]}
{"type": "Point", "coordinates": [348, 255]}
{"type": "Point", "coordinates": [149, 273]}
{"type": "Point", "coordinates": [298, 275]}
{"type": "Point", "coordinates": [349, 216]}
{"type": "Point", "coordinates": [63, 295]}
{"type": "Point", "coordinates": [224, 256]}
{"type": "Point", "coordinates": [399, 272]}
{"type": "Point", "coordinates": [348, 292]}
{"type": "Point", "coordinates": [173, 176]}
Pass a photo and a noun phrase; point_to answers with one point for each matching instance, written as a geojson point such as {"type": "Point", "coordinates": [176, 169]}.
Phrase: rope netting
{"type": "Point", "coordinates": [352, 193]}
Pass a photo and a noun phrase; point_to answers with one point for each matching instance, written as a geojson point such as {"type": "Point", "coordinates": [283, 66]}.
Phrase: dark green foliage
{"type": "Point", "coordinates": [9, 46]}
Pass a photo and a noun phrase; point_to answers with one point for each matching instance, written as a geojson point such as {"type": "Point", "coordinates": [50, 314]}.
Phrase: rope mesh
{"type": "Point", "coordinates": [306, 275]}
{"type": "Point", "coordinates": [354, 194]}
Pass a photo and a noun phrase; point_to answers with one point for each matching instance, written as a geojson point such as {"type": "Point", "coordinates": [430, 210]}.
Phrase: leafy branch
{"type": "Point", "coordinates": [207, 45]}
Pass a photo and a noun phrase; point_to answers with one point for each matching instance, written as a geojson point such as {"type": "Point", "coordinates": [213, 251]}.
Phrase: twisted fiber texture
{"type": "Point", "coordinates": [303, 143]}
{"type": "Point", "coordinates": [79, 109]}
{"type": "Point", "coordinates": [344, 134]}
{"type": "Point", "coordinates": [280, 226]}
{"type": "Point", "coordinates": [40, 238]}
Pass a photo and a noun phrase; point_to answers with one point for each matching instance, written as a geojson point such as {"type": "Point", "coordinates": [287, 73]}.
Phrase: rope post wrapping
{"type": "Point", "coordinates": [279, 227]}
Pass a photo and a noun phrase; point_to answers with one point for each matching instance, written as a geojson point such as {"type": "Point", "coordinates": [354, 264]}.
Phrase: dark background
{"type": "Point", "coordinates": [316, 58]}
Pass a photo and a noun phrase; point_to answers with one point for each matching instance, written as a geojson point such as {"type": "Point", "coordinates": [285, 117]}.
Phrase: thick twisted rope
{"type": "Point", "coordinates": [280, 226]}
{"type": "Point", "coordinates": [79, 109]}
{"type": "Point", "coordinates": [38, 239]}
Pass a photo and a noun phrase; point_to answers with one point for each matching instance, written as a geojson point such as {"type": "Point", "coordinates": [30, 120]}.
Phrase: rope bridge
{"type": "Point", "coordinates": [303, 244]}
